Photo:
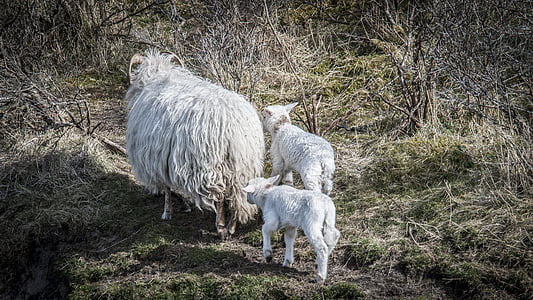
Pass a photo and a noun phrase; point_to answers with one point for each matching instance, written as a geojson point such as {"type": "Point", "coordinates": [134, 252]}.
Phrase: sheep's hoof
{"type": "Point", "coordinates": [222, 233]}
{"type": "Point", "coordinates": [268, 259]}
{"type": "Point", "coordinates": [287, 264]}
{"type": "Point", "coordinates": [186, 208]}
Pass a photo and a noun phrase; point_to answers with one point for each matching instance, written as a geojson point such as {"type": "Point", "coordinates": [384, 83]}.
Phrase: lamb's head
{"type": "Point", "coordinates": [144, 67]}
{"type": "Point", "coordinates": [276, 115]}
{"type": "Point", "coordinates": [256, 187]}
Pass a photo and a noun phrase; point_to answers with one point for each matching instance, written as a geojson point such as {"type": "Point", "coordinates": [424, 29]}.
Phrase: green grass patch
{"type": "Point", "coordinates": [363, 253]}
{"type": "Point", "coordinates": [341, 291]}
{"type": "Point", "coordinates": [418, 163]}
{"type": "Point", "coordinates": [256, 287]}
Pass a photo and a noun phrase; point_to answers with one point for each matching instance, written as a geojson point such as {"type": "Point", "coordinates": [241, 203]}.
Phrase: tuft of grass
{"type": "Point", "coordinates": [363, 253]}
{"type": "Point", "coordinates": [195, 287]}
{"type": "Point", "coordinates": [257, 287]}
{"type": "Point", "coordinates": [342, 290]}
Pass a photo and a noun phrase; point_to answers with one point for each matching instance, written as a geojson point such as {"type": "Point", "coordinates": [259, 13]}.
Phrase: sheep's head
{"type": "Point", "coordinates": [257, 186]}
{"type": "Point", "coordinates": [143, 67]}
{"type": "Point", "coordinates": [276, 115]}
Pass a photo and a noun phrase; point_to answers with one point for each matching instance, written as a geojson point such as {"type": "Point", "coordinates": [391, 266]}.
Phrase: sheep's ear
{"type": "Point", "coordinates": [289, 107]}
{"type": "Point", "coordinates": [135, 60]}
{"type": "Point", "coordinates": [249, 189]}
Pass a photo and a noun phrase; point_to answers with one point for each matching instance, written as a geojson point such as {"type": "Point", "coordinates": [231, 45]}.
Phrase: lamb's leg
{"type": "Point", "coordinates": [331, 237]}
{"type": "Point", "coordinates": [221, 220]}
{"type": "Point", "coordinates": [312, 177]}
{"type": "Point", "coordinates": [312, 182]}
{"type": "Point", "coordinates": [290, 236]}
{"type": "Point", "coordinates": [278, 168]}
{"type": "Point", "coordinates": [287, 178]}
{"type": "Point", "coordinates": [267, 230]}
{"type": "Point", "coordinates": [167, 212]}
{"type": "Point", "coordinates": [321, 248]}
{"type": "Point", "coordinates": [327, 186]}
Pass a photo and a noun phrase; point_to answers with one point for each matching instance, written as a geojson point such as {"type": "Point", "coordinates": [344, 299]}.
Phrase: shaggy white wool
{"type": "Point", "coordinates": [294, 149]}
{"type": "Point", "coordinates": [190, 135]}
{"type": "Point", "coordinates": [290, 208]}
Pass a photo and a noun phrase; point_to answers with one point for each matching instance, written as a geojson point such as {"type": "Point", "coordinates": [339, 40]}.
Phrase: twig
{"type": "Point", "coordinates": [110, 144]}
{"type": "Point", "coordinates": [115, 244]}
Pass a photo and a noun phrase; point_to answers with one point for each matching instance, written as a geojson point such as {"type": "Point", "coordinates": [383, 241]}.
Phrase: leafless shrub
{"type": "Point", "coordinates": [484, 52]}
{"type": "Point", "coordinates": [233, 47]}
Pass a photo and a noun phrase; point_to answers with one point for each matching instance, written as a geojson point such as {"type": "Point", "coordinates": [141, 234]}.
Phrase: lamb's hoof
{"type": "Point", "coordinates": [267, 254]}
{"type": "Point", "coordinates": [166, 216]}
{"type": "Point", "coordinates": [287, 264]}
{"type": "Point", "coordinates": [318, 280]}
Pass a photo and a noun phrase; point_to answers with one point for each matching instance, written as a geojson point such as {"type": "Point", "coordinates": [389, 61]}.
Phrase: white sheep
{"type": "Point", "coordinates": [192, 136]}
{"type": "Point", "coordinates": [290, 208]}
{"type": "Point", "coordinates": [294, 149]}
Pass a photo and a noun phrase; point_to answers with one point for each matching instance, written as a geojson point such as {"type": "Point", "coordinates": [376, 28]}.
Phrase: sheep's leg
{"type": "Point", "coordinates": [221, 220]}
{"type": "Point", "coordinates": [267, 230]}
{"type": "Point", "coordinates": [167, 212]}
{"type": "Point", "coordinates": [290, 236]}
{"type": "Point", "coordinates": [184, 207]}
{"type": "Point", "coordinates": [232, 224]}
{"type": "Point", "coordinates": [321, 248]}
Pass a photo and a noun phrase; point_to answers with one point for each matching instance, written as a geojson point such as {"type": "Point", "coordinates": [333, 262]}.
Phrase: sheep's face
{"type": "Point", "coordinates": [276, 115]}
{"type": "Point", "coordinates": [258, 185]}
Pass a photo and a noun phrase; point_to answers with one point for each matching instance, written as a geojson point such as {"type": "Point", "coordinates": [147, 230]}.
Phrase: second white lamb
{"type": "Point", "coordinates": [290, 208]}
{"type": "Point", "coordinates": [295, 149]}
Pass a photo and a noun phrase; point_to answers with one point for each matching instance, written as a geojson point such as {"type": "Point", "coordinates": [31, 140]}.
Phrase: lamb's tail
{"type": "Point", "coordinates": [328, 167]}
{"type": "Point", "coordinates": [331, 234]}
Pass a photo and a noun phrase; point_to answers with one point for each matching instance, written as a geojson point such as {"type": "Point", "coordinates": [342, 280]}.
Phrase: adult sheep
{"type": "Point", "coordinates": [187, 134]}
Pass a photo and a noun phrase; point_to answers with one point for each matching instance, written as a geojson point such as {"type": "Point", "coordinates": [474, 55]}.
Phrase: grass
{"type": "Point", "coordinates": [413, 205]}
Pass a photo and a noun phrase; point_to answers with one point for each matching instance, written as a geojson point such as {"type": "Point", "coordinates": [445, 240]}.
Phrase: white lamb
{"type": "Point", "coordinates": [294, 149]}
{"type": "Point", "coordinates": [290, 208]}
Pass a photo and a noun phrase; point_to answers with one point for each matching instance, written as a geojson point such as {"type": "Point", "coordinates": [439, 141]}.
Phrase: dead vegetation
{"type": "Point", "coordinates": [427, 106]}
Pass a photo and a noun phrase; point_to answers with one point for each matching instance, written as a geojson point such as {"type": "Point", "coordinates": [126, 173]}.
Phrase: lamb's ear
{"type": "Point", "coordinates": [249, 189]}
{"type": "Point", "coordinates": [267, 112]}
{"type": "Point", "coordinates": [289, 107]}
{"type": "Point", "coordinates": [271, 181]}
